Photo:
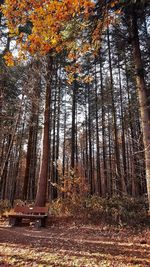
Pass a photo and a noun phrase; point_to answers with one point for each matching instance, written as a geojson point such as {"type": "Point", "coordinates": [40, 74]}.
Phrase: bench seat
{"type": "Point", "coordinates": [37, 214]}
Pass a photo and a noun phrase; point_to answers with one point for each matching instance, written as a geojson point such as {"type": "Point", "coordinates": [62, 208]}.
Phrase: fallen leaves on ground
{"type": "Point", "coordinates": [74, 245]}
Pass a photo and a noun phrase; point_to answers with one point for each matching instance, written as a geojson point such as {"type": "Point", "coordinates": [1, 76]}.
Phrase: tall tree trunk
{"type": "Point", "coordinates": [4, 176]}
{"type": "Point", "coordinates": [124, 178]}
{"type": "Point", "coordinates": [98, 170]}
{"type": "Point", "coordinates": [76, 136]}
{"type": "Point", "coordinates": [16, 163]}
{"type": "Point", "coordinates": [86, 143]}
{"type": "Point", "coordinates": [58, 131]}
{"type": "Point", "coordinates": [143, 95]}
{"type": "Point", "coordinates": [105, 182]}
{"type": "Point", "coordinates": [64, 140]}
{"type": "Point", "coordinates": [90, 163]}
{"type": "Point", "coordinates": [54, 167]}
{"type": "Point", "coordinates": [119, 183]}
{"type": "Point", "coordinates": [111, 175]}
{"type": "Point", "coordinates": [42, 186]}
{"type": "Point", "coordinates": [11, 143]}
{"type": "Point", "coordinates": [73, 128]}
{"type": "Point", "coordinates": [131, 185]}
{"type": "Point", "coordinates": [31, 157]}
{"type": "Point", "coordinates": [28, 157]}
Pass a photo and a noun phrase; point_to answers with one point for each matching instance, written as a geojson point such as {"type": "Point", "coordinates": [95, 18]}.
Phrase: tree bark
{"type": "Point", "coordinates": [90, 163]}
{"type": "Point", "coordinates": [143, 95]}
{"type": "Point", "coordinates": [119, 181]}
{"type": "Point", "coordinates": [105, 182]}
{"type": "Point", "coordinates": [73, 127]}
{"type": "Point", "coordinates": [124, 178]}
{"type": "Point", "coordinates": [98, 169]}
{"type": "Point", "coordinates": [42, 186]}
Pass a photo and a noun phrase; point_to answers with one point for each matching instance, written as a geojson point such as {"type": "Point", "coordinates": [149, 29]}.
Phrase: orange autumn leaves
{"type": "Point", "coordinates": [47, 20]}
{"type": "Point", "coordinates": [9, 59]}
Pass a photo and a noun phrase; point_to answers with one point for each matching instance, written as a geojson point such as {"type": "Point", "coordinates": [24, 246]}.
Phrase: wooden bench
{"type": "Point", "coordinates": [37, 214]}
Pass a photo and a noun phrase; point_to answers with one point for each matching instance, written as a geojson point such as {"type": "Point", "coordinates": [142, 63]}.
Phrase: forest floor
{"type": "Point", "coordinates": [74, 244]}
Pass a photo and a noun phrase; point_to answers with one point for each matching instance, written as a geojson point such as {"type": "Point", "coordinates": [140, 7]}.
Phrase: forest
{"type": "Point", "coordinates": [75, 111]}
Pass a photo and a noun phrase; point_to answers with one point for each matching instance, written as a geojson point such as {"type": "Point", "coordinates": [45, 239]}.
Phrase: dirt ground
{"type": "Point", "coordinates": [73, 244]}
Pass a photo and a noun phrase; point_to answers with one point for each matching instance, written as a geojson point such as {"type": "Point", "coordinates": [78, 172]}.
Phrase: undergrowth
{"type": "Point", "coordinates": [4, 206]}
{"type": "Point", "coordinates": [120, 210]}
{"type": "Point", "coordinates": [115, 210]}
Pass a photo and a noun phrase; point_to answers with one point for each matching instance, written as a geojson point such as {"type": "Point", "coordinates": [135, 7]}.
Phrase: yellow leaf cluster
{"type": "Point", "coordinates": [88, 79]}
{"type": "Point", "coordinates": [47, 19]}
{"type": "Point", "coordinates": [9, 59]}
{"type": "Point", "coordinates": [70, 78]}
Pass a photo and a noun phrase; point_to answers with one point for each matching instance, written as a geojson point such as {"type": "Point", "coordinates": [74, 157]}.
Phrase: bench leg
{"type": "Point", "coordinates": [40, 223]}
{"type": "Point", "coordinates": [15, 221]}
{"type": "Point", "coordinates": [43, 221]}
{"type": "Point", "coordinates": [12, 221]}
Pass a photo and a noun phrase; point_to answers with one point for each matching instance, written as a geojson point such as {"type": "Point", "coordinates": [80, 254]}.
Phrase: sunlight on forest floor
{"type": "Point", "coordinates": [71, 246]}
{"type": "Point", "coordinates": [25, 256]}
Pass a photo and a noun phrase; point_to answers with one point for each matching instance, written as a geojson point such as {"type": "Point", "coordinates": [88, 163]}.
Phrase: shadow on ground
{"type": "Point", "coordinates": [71, 245]}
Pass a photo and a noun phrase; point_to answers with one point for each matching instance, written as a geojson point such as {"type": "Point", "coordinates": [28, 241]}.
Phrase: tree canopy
{"type": "Point", "coordinates": [38, 26]}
